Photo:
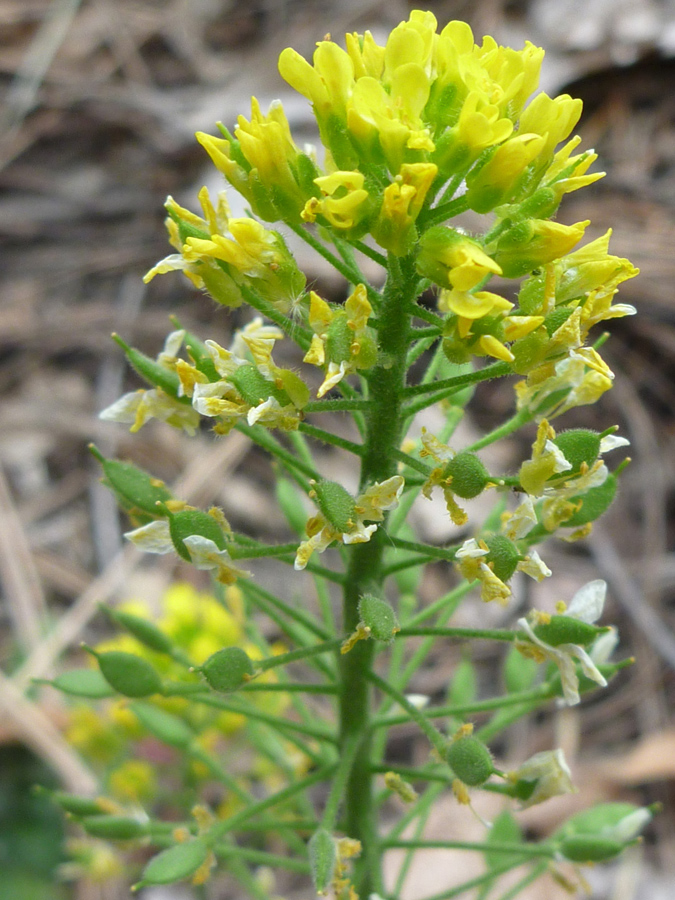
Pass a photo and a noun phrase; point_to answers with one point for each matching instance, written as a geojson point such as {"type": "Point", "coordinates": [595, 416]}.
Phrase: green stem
{"type": "Point", "coordinates": [479, 880]}
{"type": "Point", "coordinates": [307, 236]}
{"type": "Point", "coordinates": [383, 433]}
{"type": "Point", "coordinates": [371, 253]}
{"type": "Point", "coordinates": [301, 336]}
{"type": "Point", "coordinates": [262, 858]}
{"type": "Point", "coordinates": [320, 406]}
{"type": "Point", "coordinates": [303, 653]}
{"type": "Point", "coordinates": [480, 846]}
{"type": "Point", "coordinates": [494, 370]}
{"type": "Point", "coordinates": [487, 634]}
{"type": "Point", "coordinates": [347, 754]}
{"type": "Point", "coordinates": [426, 550]}
{"type": "Point", "coordinates": [513, 424]}
{"type": "Point", "coordinates": [327, 437]}
{"type": "Point", "coordinates": [437, 740]}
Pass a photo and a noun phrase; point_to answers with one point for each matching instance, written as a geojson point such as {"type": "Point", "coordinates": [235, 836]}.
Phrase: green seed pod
{"type": "Point", "coordinates": [194, 521]}
{"type": "Point", "coordinates": [455, 351]}
{"type": "Point", "coordinates": [339, 338]}
{"type": "Point", "coordinates": [579, 445]}
{"type": "Point", "coordinates": [599, 818]}
{"type": "Point", "coordinates": [503, 555]}
{"type": "Point", "coordinates": [254, 387]}
{"type": "Point", "coordinates": [469, 475]}
{"type": "Point", "coordinates": [163, 725]}
{"type": "Point", "coordinates": [379, 616]}
{"type": "Point", "coordinates": [130, 675]}
{"type": "Point", "coordinates": [541, 205]}
{"type": "Point", "coordinates": [531, 296]}
{"type": "Point", "coordinates": [83, 683]}
{"type": "Point", "coordinates": [115, 828]}
{"type": "Point", "coordinates": [322, 853]}
{"type": "Point", "coordinates": [584, 848]}
{"type": "Point", "coordinates": [228, 669]}
{"type": "Point", "coordinates": [470, 760]}
{"type": "Point", "coordinates": [153, 372]}
{"type": "Point", "coordinates": [178, 862]}
{"type": "Point", "coordinates": [336, 504]}
{"type": "Point", "coordinates": [594, 502]}
{"type": "Point", "coordinates": [77, 806]}
{"type": "Point", "coordinates": [567, 630]}
{"type": "Point", "coordinates": [142, 629]}
{"type": "Point", "coordinates": [368, 350]}
{"type": "Point", "coordinates": [528, 351]}
{"type": "Point", "coordinates": [134, 488]}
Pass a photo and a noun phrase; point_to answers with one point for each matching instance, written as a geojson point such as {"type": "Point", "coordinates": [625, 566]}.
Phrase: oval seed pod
{"type": "Point", "coordinates": [115, 828]}
{"type": "Point", "coordinates": [130, 675]}
{"type": "Point", "coordinates": [163, 725]}
{"type": "Point", "coordinates": [567, 630]}
{"type": "Point", "coordinates": [134, 488]}
{"type": "Point", "coordinates": [254, 387]}
{"type": "Point", "coordinates": [228, 669]}
{"type": "Point", "coordinates": [469, 475]}
{"type": "Point", "coordinates": [579, 445]}
{"type": "Point", "coordinates": [594, 503]}
{"type": "Point", "coordinates": [322, 853]}
{"type": "Point", "coordinates": [143, 630]}
{"type": "Point", "coordinates": [83, 683]}
{"type": "Point", "coordinates": [556, 318]}
{"type": "Point", "coordinates": [194, 521]}
{"type": "Point", "coordinates": [76, 806]}
{"type": "Point", "coordinates": [174, 864]}
{"type": "Point", "coordinates": [336, 503]}
{"type": "Point", "coordinates": [470, 760]}
{"type": "Point", "coordinates": [503, 555]}
{"type": "Point", "coordinates": [584, 848]}
{"type": "Point", "coordinates": [379, 616]}
{"type": "Point", "coordinates": [339, 338]}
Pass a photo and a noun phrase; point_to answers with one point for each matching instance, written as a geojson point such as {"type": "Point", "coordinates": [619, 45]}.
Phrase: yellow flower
{"type": "Point", "coordinates": [343, 342]}
{"type": "Point", "coordinates": [534, 243]}
{"type": "Point", "coordinates": [554, 118]}
{"type": "Point", "coordinates": [134, 781]}
{"type": "Point", "coordinates": [402, 201]}
{"type": "Point", "coordinates": [367, 507]}
{"type": "Point", "coordinates": [578, 380]}
{"type": "Point", "coordinates": [344, 203]}
{"type": "Point", "coordinates": [453, 260]}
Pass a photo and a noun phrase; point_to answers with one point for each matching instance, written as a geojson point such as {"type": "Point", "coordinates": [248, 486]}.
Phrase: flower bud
{"type": "Point", "coordinates": [379, 617]}
{"type": "Point", "coordinates": [228, 669]}
{"type": "Point", "coordinates": [129, 674]}
{"type": "Point", "coordinates": [453, 260]}
{"type": "Point", "coordinates": [337, 504]}
{"type": "Point", "coordinates": [470, 760]}
{"type": "Point", "coordinates": [178, 862]}
{"type": "Point", "coordinates": [322, 852]}
{"type": "Point", "coordinates": [469, 475]}
{"type": "Point", "coordinates": [163, 725]}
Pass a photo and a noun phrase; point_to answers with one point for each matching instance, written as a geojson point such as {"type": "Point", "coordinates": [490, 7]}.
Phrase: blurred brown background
{"type": "Point", "coordinates": [99, 102]}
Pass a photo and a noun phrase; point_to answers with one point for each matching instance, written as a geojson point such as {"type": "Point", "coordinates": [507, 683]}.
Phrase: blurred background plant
{"type": "Point", "coordinates": [99, 108]}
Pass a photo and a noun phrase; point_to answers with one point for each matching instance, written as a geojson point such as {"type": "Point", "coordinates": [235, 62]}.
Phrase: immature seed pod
{"type": "Point", "coordinates": [322, 852]}
{"type": "Point", "coordinates": [579, 445]}
{"type": "Point", "coordinates": [594, 503]}
{"type": "Point", "coordinates": [567, 630]}
{"type": "Point", "coordinates": [134, 488]}
{"type": "Point", "coordinates": [470, 760]}
{"type": "Point", "coordinates": [187, 522]}
{"type": "Point", "coordinates": [83, 683]}
{"type": "Point", "coordinates": [336, 503]}
{"type": "Point", "coordinates": [178, 862]}
{"type": "Point", "coordinates": [469, 475]}
{"type": "Point", "coordinates": [142, 629]}
{"type": "Point", "coordinates": [163, 725]}
{"type": "Point", "coordinates": [583, 848]}
{"type": "Point", "coordinates": [339, 339]}
{"type": "Point", "coordinates": [76, 806]}
{"type": "Point", "coordinates": [556, 318]}
{"type": "Point", "coordinates": [115, 828]}
{"type": "Point", "coordinates": [503, 555]}
{"type": "Point", "coordinates": [130, 675]}
{"type": "Point", "coordinates": [379, 616]}
{"type": "Point", "coordinates": [228, 669]}
{"type": "Point", "coordinates": [255, 388]}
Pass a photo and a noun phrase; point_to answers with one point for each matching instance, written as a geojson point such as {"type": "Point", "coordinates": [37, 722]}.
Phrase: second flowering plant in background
{"type": "Point", "coordinates": [414, 133]}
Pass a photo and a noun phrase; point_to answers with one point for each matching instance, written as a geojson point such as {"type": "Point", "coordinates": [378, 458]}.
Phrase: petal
{"type": "Point", "coordinates": [589, 601]}
{"type": "Point", "coordinates": [155, 537]}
